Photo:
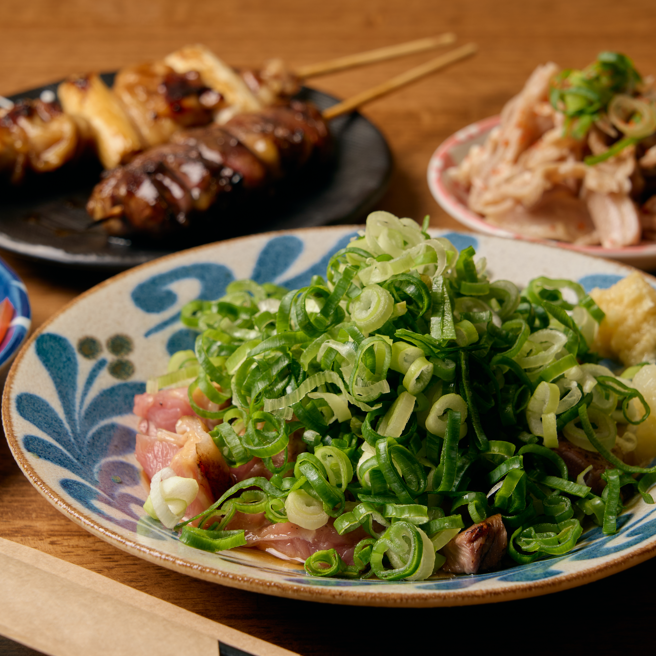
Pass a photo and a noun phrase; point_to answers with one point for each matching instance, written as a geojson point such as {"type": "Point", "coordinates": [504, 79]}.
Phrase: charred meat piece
{"type": "Point", "coordinates": [216, 75]}
{"type": "Point", "coordinates": [479, 548]}
{"type": "Point", "coordinates": [156, 193]}
{"type": "Point", "coordinates": [13, 149]}
{"type": "Point", "coordinates": [578, 459]}
{"type": "Point", "coordinates": [148, 103]}
{"type": "Point", "coordinates": [160, 101]}
{"type": "Point", "coordinates": [304, 119]}
{"type": "Point", "coordinates": [201, 460]}
{"type": "Point", "coordinates": [36, 135]}
{"type": "Point", "coordinates": [284, 137]}
{"type": "Point", "coordinates": [217, 146]}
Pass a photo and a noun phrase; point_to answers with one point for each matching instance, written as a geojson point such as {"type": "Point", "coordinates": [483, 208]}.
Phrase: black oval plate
{"type": "Point", "coordinates": [45, 219]}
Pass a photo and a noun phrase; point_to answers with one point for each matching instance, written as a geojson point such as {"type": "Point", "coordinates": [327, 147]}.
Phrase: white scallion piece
{"type": "Point", "coordinates": [170, 495]}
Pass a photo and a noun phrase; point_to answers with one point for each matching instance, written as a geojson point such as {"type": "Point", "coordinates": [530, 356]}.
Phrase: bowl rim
{"type": "Point", "coordinates": [365, 596]}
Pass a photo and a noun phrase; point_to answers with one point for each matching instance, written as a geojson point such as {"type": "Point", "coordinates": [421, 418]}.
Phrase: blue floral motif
{"type": "Point", "coordinates": [461, 241]}
{"type": "Point", "coordinates": [319, 267]}
{"type": "Point", "coordinates": [276, 257]}
{"type": "Point", "coordinates": [154, 295]}
{"type": "Point", "coordinates": [538, 571]}
{"type": "Point", "coordinates": [601, 280]}
{"type": "Point", "coordinates": [84, 441]}
{"type": "Point", "coordinates": [627, 537]}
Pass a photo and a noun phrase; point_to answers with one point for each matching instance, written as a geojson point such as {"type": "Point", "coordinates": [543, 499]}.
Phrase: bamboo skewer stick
{"type": "Point", "coordinates": [399, 81]}
{"type": "Point", "coordinates": [373, 56]}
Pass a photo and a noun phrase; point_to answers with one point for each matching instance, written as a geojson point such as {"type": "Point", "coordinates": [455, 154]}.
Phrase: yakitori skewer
{"type": "Point", "coordinates": [148, 103]}
{"type": "Point", "coordinates": [247, 157]}
{"type": "Point", "coordinates": [373, 56]}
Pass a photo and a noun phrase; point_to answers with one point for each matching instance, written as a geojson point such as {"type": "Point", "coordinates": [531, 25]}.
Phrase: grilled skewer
{"type": "Point", "coordinates": [161, 190]}
{"type": "Point", "coordinates": [146, 106]}
{"type": "Point", "coordinates": [37, 135]}
{"type": "Point", "coordinates": [238, 147]}
{"type": "Point", "coordinates": [150, 102]}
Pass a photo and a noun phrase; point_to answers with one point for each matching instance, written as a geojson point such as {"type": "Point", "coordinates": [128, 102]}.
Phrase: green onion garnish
{"type": "Point", "coordinates": [428, 399]}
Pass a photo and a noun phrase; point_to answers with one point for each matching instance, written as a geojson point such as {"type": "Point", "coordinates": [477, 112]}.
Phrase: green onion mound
{"type": "Point", "coordinates": [428, 397]}
{"type": "Point", "coordinates": [611, 90]}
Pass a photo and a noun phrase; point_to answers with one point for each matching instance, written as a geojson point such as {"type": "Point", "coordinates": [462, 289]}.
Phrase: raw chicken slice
{"type": "Point", "coordinates": [155, 452]}
{"type": "Point", "coordinates": [166, 407]}
{"type": "Point", "coordinates": [256, 467]}
{"type": "Point", "coordinates": [201, 460]}
{"type": "Point", "coordinates": [293, 542]}
{"type": "Point", "coordinates": [162, 410]}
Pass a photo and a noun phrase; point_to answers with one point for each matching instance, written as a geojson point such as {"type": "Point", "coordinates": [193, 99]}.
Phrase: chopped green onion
{"type": "Point", "coordinates": [427, 399]}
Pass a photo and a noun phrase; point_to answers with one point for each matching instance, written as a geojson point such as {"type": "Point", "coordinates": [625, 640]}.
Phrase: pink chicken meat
{"type": "Point", "coordinates": [171, 435]}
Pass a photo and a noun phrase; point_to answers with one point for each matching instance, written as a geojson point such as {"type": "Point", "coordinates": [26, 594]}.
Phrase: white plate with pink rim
{"type": "Point", "coordinates": [454, 200]}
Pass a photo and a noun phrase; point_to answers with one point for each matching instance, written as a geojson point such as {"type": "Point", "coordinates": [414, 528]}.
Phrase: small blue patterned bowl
{"type": "Point", "coordinates": [68, 401]}
{"type": "Point", "coordinates": [13, 288]}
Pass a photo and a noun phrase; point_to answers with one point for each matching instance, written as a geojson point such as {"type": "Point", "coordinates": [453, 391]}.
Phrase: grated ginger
{"type": "Point", "coordinates": [628, 333]}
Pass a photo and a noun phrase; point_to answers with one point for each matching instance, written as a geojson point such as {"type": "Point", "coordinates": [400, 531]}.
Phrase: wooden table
{"type": "Point", "coordinates": [44, 40]}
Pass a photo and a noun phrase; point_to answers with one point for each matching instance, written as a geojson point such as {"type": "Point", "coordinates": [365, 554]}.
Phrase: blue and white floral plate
{"type": "Point", "coordinates": [13, 288]}
{"type": "Point", "coordinates": [68, 400]}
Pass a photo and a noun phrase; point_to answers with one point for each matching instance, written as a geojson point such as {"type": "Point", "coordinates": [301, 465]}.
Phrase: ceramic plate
{"type": "Point", "coordinates": [47, 220]}
{"type": "Point", "coordinates": [68, 400]}
{"type": "Point", "coordinates": [13, 288]}
{"type": "Point", "coordinates": [453, 200]}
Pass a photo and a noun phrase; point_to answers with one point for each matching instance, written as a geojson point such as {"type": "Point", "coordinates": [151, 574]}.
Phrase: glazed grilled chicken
{"type": "Point", "coordinates": [146, 106]}
{"type": "Point", "coordinates": [216, 75]}
{"type": "Point", "coordinates": [274, 81]}
{"type": "Point", "coordinates": [37, 136]}
{"type": "Point", "coordinates": [160, 101]}
{"type": "Point", "coordinates": [161, 190]}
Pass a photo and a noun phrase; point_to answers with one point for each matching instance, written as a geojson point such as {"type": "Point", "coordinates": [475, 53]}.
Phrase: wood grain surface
{"type": "Point", "coordinates": [44, 40]}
